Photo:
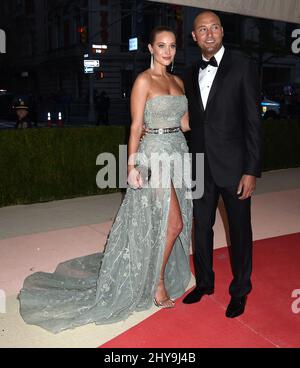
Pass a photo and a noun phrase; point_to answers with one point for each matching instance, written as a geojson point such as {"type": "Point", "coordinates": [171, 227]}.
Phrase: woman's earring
{"type": "Point", "coordinates": [172, 67]}
{"type": "Point", "coordinates": [152, 62]}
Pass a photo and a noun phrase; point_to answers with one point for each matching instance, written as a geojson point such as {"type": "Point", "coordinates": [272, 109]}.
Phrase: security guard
{"type": "Point", "coordinates": [22, 111]}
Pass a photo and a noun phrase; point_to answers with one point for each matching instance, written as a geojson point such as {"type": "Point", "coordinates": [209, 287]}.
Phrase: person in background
{"type": "Point", "coordinates": [23, 120]}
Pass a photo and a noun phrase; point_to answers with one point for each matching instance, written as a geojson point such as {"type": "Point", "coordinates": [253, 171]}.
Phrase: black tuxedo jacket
{"type": "Point", "coordinates": [228, 131]}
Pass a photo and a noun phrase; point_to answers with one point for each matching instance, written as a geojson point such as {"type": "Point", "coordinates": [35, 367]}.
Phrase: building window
{"type": "Point", "coordinates": [29, 7]}
{"type": "Point", "coordinates": [232, 28]}
{"type": "Point", "coordinates": [276, 75]}
{"type": "Point", "coordinates": [126, 25]}
{"type": "Point", "coordinates": [67, 33]}
{"type": "Point", "coordinates": [50, 39]}
{"type": "Point", "coordinates": [104, 27]}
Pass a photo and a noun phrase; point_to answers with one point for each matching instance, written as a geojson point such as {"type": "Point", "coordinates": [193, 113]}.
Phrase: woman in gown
{"type": "Point", "coordinates": [146, 258]}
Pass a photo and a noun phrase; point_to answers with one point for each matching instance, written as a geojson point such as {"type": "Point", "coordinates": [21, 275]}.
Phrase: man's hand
{"type": "Point", "coordinates": [246, 187]}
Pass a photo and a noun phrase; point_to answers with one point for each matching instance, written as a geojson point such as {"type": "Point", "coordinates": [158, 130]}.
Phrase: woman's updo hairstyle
{"type": "Point", "coordinates": [158, 30]}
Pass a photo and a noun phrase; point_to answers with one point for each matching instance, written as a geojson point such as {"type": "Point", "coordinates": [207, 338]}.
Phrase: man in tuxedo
{"type": "Point", "coordinates": [224, 98]}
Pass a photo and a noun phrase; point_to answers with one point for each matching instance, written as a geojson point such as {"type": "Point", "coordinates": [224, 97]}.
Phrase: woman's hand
{"type": "Point", "coordinates": [134, 179]}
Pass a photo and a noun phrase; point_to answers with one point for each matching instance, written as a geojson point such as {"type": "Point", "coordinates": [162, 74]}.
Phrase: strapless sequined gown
{"type": "Point", "coordinates": [107, 287]}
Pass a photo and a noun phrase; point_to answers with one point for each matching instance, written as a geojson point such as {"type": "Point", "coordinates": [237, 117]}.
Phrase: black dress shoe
{"type": "Point", "coordinates": [196, 295]}
{"type": "Point", "coordinates": [236, 307]}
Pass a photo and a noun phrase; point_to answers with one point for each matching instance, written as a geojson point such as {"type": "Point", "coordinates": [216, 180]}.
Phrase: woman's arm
{"type": "Point", "coordinates": [138, 101]}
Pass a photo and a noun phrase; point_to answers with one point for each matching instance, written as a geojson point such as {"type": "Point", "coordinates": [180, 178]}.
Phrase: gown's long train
{"type": "Point", "coordinates": [107, 288]}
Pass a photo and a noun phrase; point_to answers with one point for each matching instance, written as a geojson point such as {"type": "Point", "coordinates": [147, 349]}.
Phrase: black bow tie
{"type": "Point", "coordinates": [204, 64]}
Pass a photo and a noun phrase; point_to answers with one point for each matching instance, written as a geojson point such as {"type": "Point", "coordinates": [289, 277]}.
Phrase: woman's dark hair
{"type": "Point", "coordinates": [158, 30]}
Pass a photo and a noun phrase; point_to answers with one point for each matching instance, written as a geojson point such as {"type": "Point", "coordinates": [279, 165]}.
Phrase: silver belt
{"type": "Point", "coordinates": [163, 130]}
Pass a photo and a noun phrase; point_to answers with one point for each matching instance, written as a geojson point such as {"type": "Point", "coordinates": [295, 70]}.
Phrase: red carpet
{"type": "Point", "coordinates": [268, 321]}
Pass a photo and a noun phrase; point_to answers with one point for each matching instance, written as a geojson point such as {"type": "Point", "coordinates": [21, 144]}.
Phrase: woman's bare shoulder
{"type": "Point", "coordinates": [143, 78]}
{"type": "Point", "coordinates": [142, 85]}
{"type": "Point", "coordinates": [179, 81]}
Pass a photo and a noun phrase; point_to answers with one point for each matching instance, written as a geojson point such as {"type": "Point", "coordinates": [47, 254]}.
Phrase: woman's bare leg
{"type": "Point", "coordinates": [175, 226]}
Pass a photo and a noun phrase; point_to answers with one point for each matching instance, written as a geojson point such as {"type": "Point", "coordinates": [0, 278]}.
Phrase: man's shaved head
{"type": "Point", "coordinates": [206, 13]}
{"type": "Point", "coordinates": [208, 33]}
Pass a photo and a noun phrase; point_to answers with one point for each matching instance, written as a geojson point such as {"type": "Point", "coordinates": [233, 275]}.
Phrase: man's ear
{"type": "Point", "coordinates": [194, 36]}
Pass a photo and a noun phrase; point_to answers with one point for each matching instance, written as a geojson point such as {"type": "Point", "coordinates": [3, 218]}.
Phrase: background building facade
{"type": "Point", "coordinates": [47, 41]}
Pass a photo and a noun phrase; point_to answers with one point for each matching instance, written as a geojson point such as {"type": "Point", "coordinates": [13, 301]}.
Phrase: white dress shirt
{"type": "Point", "coordinates": [207, 76]}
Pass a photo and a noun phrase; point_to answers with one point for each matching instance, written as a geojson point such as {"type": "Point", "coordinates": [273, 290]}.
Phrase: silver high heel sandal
{"type": "Point", "coordinates": [164, 303]}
